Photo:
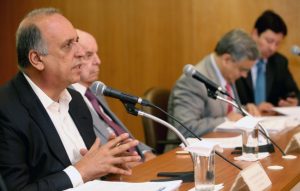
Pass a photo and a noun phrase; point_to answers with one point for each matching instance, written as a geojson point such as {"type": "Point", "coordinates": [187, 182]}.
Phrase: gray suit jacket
{"type": "Point", "coordinates": [190, 103]}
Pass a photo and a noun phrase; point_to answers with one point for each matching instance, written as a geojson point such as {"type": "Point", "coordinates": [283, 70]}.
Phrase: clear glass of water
{"type": "Point", "coordinates": [250, 143]}
{"type": "Point", "coordinates": [204, 172]}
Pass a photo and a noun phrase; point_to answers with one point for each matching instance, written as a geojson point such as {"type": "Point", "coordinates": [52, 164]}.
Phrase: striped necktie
{"type": "Point", "coordinates": [93, 99]}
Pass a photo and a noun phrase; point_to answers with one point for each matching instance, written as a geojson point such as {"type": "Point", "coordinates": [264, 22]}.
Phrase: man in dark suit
{"type": "Point", "coordinates": [89, 74]}
{"type": "Point", "coordinates": [270, 82]}
{"type": "Point", "coordinates": [47, 140]}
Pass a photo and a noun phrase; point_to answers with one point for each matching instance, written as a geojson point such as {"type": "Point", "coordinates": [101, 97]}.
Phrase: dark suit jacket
{"type": "Point", "coordinates": [32, 155]}
{"type": "Point", "coordinates": [279, 82]}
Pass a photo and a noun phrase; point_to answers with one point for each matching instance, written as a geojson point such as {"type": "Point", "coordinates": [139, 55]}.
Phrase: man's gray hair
{"type": "Point", "coordinates": [29, 36]}
{"type": "Point", "coordinates": [239, 45]}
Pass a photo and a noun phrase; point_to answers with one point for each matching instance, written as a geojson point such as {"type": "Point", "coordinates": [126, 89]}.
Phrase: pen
{"type": "Point", "coordinates": [161, 188]}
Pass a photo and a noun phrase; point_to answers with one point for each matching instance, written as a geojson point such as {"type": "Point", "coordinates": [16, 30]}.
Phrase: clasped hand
{"type": "Point", "coordinates": [111, 157]}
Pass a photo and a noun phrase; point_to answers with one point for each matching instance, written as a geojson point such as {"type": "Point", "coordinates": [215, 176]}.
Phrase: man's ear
{"type": "Point", "coordinates": [254, 33]}
{"type": "Point", "coordinates": [36, 60]}
{"type": "Point", "coordinates": [226, 58]}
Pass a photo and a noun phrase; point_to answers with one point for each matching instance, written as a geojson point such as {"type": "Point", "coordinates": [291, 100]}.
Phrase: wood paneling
{"type": "Point", "coordinates": [145, 43]}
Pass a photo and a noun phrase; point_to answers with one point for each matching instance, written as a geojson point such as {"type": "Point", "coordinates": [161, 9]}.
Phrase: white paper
{"type": "Point", "coordinates": [226, 142]}
{"type": "Point", "coordinates": [97, 185]}
{"type": "Point", "coordinates": [294, 144]}
{"type": "Point", "coordinates": [217, 187]}
{"type": "Point", "coordinates": [247, 123]}
{"type": "Point", "coordinates": [290, 111]}
{"type": "Point", "coordinates": [203, 148]}
{"type": "Point", "coordinates": [255, 177]}
{"type": "Point", "coordinates": [272, 124]}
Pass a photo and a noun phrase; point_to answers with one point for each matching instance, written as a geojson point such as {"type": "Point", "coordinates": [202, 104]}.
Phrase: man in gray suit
{"type": "Point", "coordinates": [234, 56]}
{"type": "Point", "coordinates": [89, 73]}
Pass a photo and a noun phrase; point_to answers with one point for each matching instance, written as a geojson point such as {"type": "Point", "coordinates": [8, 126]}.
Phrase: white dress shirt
{"type": "Point", "coordinates": [65, 127]}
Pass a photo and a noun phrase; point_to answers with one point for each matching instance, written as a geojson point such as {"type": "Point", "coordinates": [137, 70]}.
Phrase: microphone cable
{"type": "Point", "coordinates": [259, 124]}
{"type": "Point", "coordinates": [186, 128]}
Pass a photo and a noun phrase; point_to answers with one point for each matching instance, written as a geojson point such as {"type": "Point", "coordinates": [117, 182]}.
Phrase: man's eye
{"type": "Point", "coordinates": [69, 44]}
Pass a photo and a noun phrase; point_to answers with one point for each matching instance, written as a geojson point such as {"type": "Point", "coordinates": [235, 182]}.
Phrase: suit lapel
{"type": "Point", "coordinates": [82, 118]}
{"type": "Point", "coordinates": [40, 116]}
{"type": "Point", "coordinates": [99, 126]}
{"type": "Point", "coordinates": [211, 74]}
{"type": "Point", "coordinates": [249, 81]}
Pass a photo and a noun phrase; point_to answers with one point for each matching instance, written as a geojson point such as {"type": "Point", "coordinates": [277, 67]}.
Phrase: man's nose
{"type": "Point", "coordinates": [79, 52]}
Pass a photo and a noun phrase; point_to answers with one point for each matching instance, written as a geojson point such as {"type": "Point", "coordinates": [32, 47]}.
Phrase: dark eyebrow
{"type": "Point", "coordinates": [69, 41]}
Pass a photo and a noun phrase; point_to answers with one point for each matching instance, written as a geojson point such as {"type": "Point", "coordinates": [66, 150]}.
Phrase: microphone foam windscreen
{"type": "Point", "coordinates": [189, 70]}
{"type": "Point", "coordinates": [295, 50]}
{"type": "Point", "coordinates": [98, 88]}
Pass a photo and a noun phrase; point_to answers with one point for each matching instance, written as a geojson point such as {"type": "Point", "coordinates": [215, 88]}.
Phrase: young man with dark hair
{"type": "Point", "coordinates": [269, 82]}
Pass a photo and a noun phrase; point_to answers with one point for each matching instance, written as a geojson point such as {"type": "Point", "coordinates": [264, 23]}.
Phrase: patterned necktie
{"type": "Point", "coordinates": [118, 130]}
{"type": "Point", "coordinates": [229, 91]}
{"type": "Point", "coordinates": [93, 99]}
{"type": "Point", "coordinates": [260, 86]}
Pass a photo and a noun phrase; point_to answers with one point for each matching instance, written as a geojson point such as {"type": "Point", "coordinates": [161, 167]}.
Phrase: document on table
{"type": "Point", "coordinates": [225, 142]}
{"type": "Point", "coordinates": [98, 185]}
{"type": "Point", "coordinates": [289, 111]}
{"type": "Point", "coordinates": [270, 123]}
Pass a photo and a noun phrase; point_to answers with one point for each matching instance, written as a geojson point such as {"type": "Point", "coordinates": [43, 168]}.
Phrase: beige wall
{"type": "Point", "coordinates": [145, 43]}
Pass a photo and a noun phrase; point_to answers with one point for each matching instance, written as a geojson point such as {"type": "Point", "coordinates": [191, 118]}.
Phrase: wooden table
{"type": "Point", "coordinates": [225, 173]}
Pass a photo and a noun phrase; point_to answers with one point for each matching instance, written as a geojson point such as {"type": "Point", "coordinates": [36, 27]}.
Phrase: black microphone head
{"type": "Point", "coordinates": [295, 50]}
{"type": "Point", "coordinates": [98, 88]}
{"type": "Point", "coordinates": [189, 70]}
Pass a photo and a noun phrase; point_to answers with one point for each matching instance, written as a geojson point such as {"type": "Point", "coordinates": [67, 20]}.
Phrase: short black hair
{"type": "Point", "coordinates": [270, 20]}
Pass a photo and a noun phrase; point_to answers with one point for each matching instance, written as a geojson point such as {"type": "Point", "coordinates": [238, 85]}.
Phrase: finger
{"type": "Point", "coordinates": [96, 144]}
{"type": "Point", "coordinates": [127, 140]}
{"type": "Point", "coordinates": [111, 136]}
{"type": "Point", "coordinates": [121, 171]}
{"type": "Point", "coordinates": [115, 141]}
{"type": "Point", "coordinates": [292, 100]}
{"type": "Point", "coordinates": [124, 159]}
{"type": "Point", "coordinates": [126, 153]}
{"type": "Point", "coordinates": [124, 147]}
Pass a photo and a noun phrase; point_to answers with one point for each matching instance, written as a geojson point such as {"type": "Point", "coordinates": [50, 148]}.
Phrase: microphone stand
{"type": "Point", "coordinates": [158, 120]}
{"type": "Point", "coordinates": [184, 176]}
{"type": "Point", "coordinates": [269, 147]}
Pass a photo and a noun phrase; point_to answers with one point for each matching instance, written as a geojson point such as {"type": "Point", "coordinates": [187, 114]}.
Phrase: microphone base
{"type": "Point", "coordinates": [184, 176]}
{"type": "Point", "coordinates": [266, 148]}
{"type": "Point", "coordinates": [261, 148]}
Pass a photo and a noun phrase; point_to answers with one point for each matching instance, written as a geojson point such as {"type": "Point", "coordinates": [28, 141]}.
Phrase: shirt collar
{"type": "Point", "coordinates": [217, 70]}
{"type": "Point", "coordinates": [64, 98]}
{"type": "Point", "coordinates": [80, 88]}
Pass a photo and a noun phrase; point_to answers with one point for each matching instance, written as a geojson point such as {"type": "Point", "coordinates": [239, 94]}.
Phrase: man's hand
{"type": "Point", "coordinates": [233, 116]}
{"type": "Point", "coordinates": [253, 110]}
{"type": "Point", "coordinates": [148, 156]}
{"type": "Point", "coordinates": [101, 160]}
{"type": "Point", "coordinates": [266, 108]}
{"type": "Point", "coordinates": [290, 101]}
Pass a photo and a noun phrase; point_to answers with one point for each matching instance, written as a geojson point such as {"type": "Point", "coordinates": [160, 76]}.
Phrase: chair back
{"type": "Point", "coordinates": [155, 133]}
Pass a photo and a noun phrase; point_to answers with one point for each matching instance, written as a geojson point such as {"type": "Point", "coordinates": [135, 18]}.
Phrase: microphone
{"type": "Point", "coordinates": [190, 71]}
{"type": "Point", "coordinates": [100, 88]}
{"type": "Point", "coordinates": [295, 50]}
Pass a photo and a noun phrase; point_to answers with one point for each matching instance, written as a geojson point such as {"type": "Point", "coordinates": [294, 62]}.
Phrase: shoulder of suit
{"type": "Point", "coordinates": [278, 58]}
